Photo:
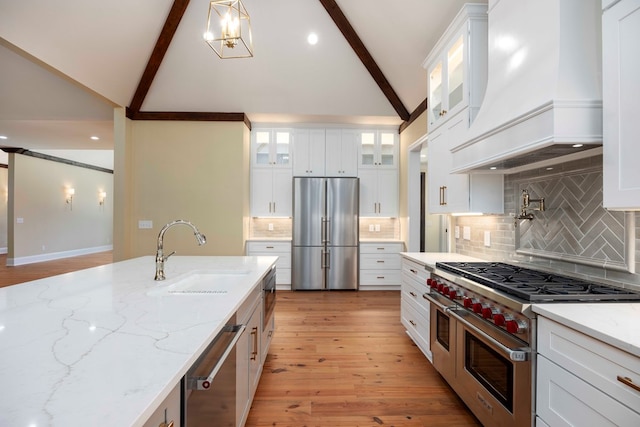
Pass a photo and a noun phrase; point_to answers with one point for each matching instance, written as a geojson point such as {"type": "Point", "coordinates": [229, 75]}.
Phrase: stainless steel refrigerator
{"type": "Point", "coordinates": [325, 234]}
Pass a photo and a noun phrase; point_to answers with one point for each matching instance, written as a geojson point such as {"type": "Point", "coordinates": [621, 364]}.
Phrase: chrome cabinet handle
{"type": "Point", "coordinates": [628, 382]}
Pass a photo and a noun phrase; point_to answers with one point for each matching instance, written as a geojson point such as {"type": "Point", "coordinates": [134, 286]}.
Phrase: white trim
{"type": "Point", "coordinates": [413, 193]}
{"type": "Point", "coordinates": [4, 250]}
{"type": "Point", "coordinates": [12, 262]}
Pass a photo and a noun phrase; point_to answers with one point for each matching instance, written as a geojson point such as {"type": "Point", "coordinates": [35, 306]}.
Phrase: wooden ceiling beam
{"type": "Point", "coordinates": [361, 51]}
{"type": "Point", "coordinates": [160, 49]}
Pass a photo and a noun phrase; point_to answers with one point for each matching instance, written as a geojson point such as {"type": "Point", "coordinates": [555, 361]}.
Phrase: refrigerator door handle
{"type": "Point", "coordinates": [327, 231]}
{"type": "Point", "coordinates": [323, 230]}
{"type": "Point", "coordinates": [324, 258]}
{"type": "Point", "coordinates": [327, 259]}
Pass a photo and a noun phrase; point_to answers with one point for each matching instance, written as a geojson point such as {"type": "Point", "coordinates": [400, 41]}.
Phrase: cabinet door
{"type": "Point", "coordinates": [621, 103]}
{"type": "Point", "coordinates": [437, 171]}
{"type": "Point", "coordinates": [282, 192]}
{"type": "Point", "coordinates": [388, 192]}
{"type": "Point", "coordinates": [368, 192]}
{"type": "Point", "coordinates": [456, 195]}
{"type": "Point", "coordinates": [255, 354]}
{"type": "Point", "coordinates": [261, 148]}
{"type": "Point", "coordinates": [435, 75]}
{"type": "Point", "coordinates": [333, 152]}
{"type": "Point", "coordinates": [349, 152]}
{"type": "Point", "coordinates": [387, 146]}
{"type": "Point", "coordinates": [262, 192]}
{"type": "Point", "coordinates": [367, 150]}
{"type": "Point", "coordinates": [308, 152]}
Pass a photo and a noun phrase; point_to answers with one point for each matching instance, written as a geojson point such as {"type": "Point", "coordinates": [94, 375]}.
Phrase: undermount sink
{"type": "Point", "coordinates": [201, 283]}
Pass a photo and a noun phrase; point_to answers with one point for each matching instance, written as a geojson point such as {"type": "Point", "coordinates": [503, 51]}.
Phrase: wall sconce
{"type": "Point", "coordinates": [101, 196]}
{"type": "Point", "coordinates": [70, 192]}
{"type": "Point", "coordinates": [228, 30]}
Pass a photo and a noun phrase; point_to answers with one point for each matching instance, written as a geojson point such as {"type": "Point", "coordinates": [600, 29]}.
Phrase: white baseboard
{"type": "Point", "coordinates": [3, 250]}
{"type": "Point", "coordinates": [12, 262]}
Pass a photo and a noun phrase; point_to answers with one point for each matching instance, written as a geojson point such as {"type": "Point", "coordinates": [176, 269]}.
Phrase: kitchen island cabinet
{"type": "Point", "coordinates": [588, 364]}
{"type": "Point", "coordinates": [107, 345]}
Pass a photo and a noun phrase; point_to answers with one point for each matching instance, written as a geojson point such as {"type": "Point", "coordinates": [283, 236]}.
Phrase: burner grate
{"type": "Point", "coordinates": [536, 286]}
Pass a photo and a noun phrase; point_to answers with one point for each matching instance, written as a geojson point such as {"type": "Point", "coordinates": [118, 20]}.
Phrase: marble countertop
{"type": "Point", "coordinates": [617, 324]}
{"type": "Point", "coordinates": [102, 347]}
{"type": "Point", "coordinates": [429, 259]}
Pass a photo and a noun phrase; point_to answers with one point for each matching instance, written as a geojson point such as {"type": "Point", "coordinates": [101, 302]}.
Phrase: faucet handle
{"type": "Point", "coordinates": [167, 257]}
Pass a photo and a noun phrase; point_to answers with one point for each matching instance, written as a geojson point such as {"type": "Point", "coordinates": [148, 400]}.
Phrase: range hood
{"type": "Point", "coordinates": [544, 92]}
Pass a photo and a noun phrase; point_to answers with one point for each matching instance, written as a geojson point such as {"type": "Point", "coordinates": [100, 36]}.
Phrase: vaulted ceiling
{"type": "Point", "coordinates": [67, 63]}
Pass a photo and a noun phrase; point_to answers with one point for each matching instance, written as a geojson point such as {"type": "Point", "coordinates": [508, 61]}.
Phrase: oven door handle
{"type": "Point", "coordinates": [432, 300]}
{"type": "Point", "coordinates": [515, 355]}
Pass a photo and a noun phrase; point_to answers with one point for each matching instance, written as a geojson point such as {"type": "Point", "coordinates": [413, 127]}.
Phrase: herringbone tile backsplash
{"type": "Point", "coordinates": [574, 235]}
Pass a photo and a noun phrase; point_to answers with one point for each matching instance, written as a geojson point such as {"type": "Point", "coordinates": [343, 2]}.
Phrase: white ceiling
{"type": "Point", "coordinates": [67, 63]}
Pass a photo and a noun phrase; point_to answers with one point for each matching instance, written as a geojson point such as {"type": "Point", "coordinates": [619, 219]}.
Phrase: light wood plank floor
{"type": "Point", "coordinates": [337, 359]}
{"type": "Point", "coordinates": [28, 272]}
{"type": "Point", "coordinates": [342, 359]}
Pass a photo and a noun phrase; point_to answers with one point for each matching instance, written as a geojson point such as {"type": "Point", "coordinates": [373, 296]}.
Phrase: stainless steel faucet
{"type": "Point", "coordinates": [160, 258]}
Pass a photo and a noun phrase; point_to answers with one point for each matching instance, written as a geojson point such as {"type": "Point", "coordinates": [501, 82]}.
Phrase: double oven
{"type": "Point", "coordinates": [483, 332]}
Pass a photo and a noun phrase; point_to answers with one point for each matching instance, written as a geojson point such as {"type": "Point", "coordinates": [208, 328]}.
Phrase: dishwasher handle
{"type": "Point", "coordinates": [203, 383]}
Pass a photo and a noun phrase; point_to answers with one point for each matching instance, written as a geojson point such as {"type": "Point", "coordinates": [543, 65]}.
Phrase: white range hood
{"type": "Point", "coordinates": [544, 92]}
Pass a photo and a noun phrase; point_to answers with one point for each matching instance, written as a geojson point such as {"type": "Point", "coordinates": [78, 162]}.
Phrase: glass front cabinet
{"type": "Point", "coordinates": [272, 147]}
{"type": "Point", "coordinates": [378, 149]}
{"type": "Point", "coordinates": [456, 64]}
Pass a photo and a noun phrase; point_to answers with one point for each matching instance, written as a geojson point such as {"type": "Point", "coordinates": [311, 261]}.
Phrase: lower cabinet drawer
{"type": "Point", "coordinates": [416, 323]}
{"type": "Point", "coordinates": [562, 399]}
{"type": "Point", "coordinates": [380, 277]}
{"type": "Point", "coordinates": [283, 276]}
{"type": "Point", "coordinates": [380, 261]}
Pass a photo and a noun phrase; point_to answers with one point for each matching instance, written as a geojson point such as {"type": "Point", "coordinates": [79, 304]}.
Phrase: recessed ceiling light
{"type": "Point", "coordinates": [95, 138]}
{"type": "Point", "coordinates": [549, 168]}
{"type": "Point", "coordinates": [312, 38]}
{"type": "Point", "coordinates": [3, 137]}
{"type": "Point", "coordinates": [493, 168]}
{"type": "Point", "coordinates": [577, 145]}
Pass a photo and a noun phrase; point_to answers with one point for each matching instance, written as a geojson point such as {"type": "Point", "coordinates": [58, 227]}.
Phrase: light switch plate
{"type": "Point", "coordinates": [457, 231]}
{"type": "Point", "coordinates": [145, 224]}
{"type": "Point", "coordinates": [377, 227]}
{"type": "Point", "coordinates": [466, 232]}
{"type": "Point", "coordinates": [487, 238]}
{"type": "Point", "coordinates": [20, 220]}
{"type": "Point", "coordinates": [371, 227]}
{"type": "Point", "coordinates": [270, 227]}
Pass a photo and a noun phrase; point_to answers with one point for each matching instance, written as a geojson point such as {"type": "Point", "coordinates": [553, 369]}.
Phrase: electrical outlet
{"type": "Point", "coordinates": [466, 232]}
{"type": "Point", "coordinates": [270, 227]}
{"type": "Point", "coordinates": [371, 227]}
{"type": "Point", "coordinates": [20, 220]}
{"type": "Point", "coordinates": [145, 224]}
{"type": "Point", "coordinates": [377, 227]}
{"type": "Point", "coordinates": [487, 238]}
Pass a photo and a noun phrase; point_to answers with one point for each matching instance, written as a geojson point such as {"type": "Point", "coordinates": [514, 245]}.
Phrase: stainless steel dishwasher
{"type": "Point", "coordinates": [209, 387]}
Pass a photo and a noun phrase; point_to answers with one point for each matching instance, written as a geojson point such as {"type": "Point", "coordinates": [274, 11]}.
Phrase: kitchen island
{"type": "Point", "coordinates": [105, 346]}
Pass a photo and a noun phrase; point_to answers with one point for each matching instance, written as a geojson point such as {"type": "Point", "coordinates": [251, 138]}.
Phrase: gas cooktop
{"type": "Point", "coordinates": [536, 286]}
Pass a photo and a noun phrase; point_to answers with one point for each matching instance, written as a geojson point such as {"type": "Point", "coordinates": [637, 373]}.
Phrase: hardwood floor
{"type": "Point", "coordinates": [337, 359]}
{"type": "Point", "coordinates": [28, 272]}
{"type": "Point", "coordinates": [342, 359]}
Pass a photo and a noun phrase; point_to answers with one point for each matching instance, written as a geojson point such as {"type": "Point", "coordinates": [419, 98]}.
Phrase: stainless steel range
{"type": "Point", "coordinates": [483, 331]}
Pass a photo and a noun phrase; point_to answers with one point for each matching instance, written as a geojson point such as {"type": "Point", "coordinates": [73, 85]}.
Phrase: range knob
{"type": "Point", "coordinates": [489, 312]}
{"type": "Point", "coordinates": [468, 303]}
{"type": "Point", "coordinates": [515, 326]}
{"type": "Point", "coordinates": [434, 284]}
{"type": "Point", "coordinates": [440, 287]}
{"type": "Point", "coordinates": [429, 281]}
{"type": "Point", "coordinates": [499, 319]}
{"type": "Point", "coordinates": [477, 307]}
{"type": "Point", "coordinates": [445, 290]}
{"type": "Point", "coordinates": [453, 294]}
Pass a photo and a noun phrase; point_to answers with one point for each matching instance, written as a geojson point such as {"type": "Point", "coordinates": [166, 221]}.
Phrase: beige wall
{"type": "Point", "coordinates": [50, 227]}
{"type": "Point", "coordinates": [4, 198]}
{"type": "Point", "coordinates": [410, 135]}
{"type": "Point", "coordinates": [196, 171]}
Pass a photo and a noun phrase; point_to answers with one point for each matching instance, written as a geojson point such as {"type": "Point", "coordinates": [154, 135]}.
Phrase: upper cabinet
{"type": "Point", "coordinates": [457, 67]}
{"type": "Point", "coordinates": [341, 152]}
{"type": "Point", "coordinates": [309, 152]}
{"type": "Point", "coordinates": [378, 149]}
{"type": "Point", "coordinates": [271, 148]}
{"type": "Point", "coordinates": [620, 104]}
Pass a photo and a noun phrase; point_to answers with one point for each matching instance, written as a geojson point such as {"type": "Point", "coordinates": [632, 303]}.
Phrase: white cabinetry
{"type": "Point", "coordinates": [380, 265]}
{"type": "Point", "coordinates": [279, 248]}
{"type": "Point", "coordinates": [621, 103]}
{"type": "Point", "coordinates": [580, 380]}
{"type": "Point", "coordinates": [378, 192]}
{"type": "Point", "coordinates": [414, 309]}
{"type": "Point", "coordinates": [458, 193]}
{"type": "Point", "coordinates": [341, 151]}
{"type": "Point", "coordinates": [168, 411]}
{"type": "Point", "coordinates": [457, 67]}
{"type": "Point", "coordinates": [248, 353]}
{"type": "Point", "coordinates": [309, 152]}
{"type": "Point", "coordinates": [271, 192]}
{"type": "Point", "coordinates": [271, 147]}
{"type": "Point", "coordinates": [378, 149]}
